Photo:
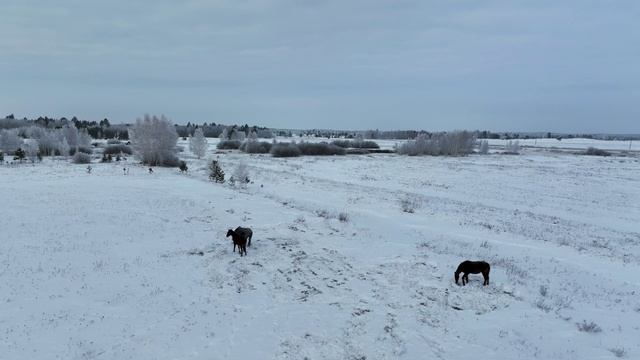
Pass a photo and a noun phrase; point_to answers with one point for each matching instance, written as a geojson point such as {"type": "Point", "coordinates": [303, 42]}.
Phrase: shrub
{"type": "Point", "coordinates": [597, 152]}
{"type": "Point", "coordinates": [1, 157]}
{"type": "Point", "coordinates": [81, 158]}
{"type": "Point", "coordinates": [154, 141]}
{"type": "Point", "coordinates": [322, 148]}
{"type": "Point", "coordinates": [118, 149]}
{"type": "Point", "coordinates": [618, 352]}
{"type": "Point", "coordinates": [19, 154]}
{"type": "Point", "coordinates": [107, 158]}
{"type": "Point", "coordinates": [343, 217]}
{"type": "Point", "coordinates": [357, 151]}
{"type": "Point", "coordinates": [256, 147]}
{"type": "Point", "coordinates": [409, 204]}
{"type": "Point", "coordinates": [285, 150]}
{"type": "Point", "coordinates": [215, 172]}
{"type": "Point", "coordinates": [589, 327]}
{"type": "Point", "coordinates": [455, 143]}
{"type": "Point", "coordinates": [357, 144]}
{"type": "Point", "coordinates": [82, 149]}
{"type": "Point", "coordinates": [228, 144]}
{"type": "Point", "coordinates": [183, 166]}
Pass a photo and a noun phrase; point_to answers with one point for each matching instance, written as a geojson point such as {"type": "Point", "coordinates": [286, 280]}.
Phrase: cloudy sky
{"type": "Point", "coordinates": [539, 65]}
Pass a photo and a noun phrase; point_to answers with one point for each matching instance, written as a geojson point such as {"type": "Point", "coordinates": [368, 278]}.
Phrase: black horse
{"type": "Point", "coordinates": [240, 236]}
{"type": "Point", "coordinates": [246, 232]}
{"type": "Point", "coordinates": [473, 267]}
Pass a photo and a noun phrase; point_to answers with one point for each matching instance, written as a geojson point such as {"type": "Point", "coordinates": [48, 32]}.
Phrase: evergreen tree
{"type": "Point", "coordinates": [215, 172]}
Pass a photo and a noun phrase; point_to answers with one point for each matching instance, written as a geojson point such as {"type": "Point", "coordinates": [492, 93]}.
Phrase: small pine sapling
{"type": "Point", "coordinates": [216, 173]}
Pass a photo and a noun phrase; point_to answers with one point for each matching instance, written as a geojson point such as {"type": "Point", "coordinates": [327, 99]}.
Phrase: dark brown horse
{"type": "Point", "coordinates": [473, 267]}
{"type": "Point", "coordinates": [239, 240]}
{"type": "Point", "coordinates": [246, 233]}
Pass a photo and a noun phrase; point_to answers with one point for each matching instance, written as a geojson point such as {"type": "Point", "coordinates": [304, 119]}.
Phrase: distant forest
{"type": "Point", "coordinates": [103, 129]}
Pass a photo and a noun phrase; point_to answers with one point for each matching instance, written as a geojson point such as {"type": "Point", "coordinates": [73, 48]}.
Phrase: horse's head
{"type": "Point", "coordinates": [230, 233]}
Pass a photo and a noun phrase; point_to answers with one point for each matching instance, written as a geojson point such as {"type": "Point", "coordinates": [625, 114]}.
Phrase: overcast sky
{"type": "Point", "coordinates": [540, 65]}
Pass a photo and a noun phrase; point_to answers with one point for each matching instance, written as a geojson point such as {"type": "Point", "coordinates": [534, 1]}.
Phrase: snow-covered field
{"type": "Point", "coordinates": [108, 266]}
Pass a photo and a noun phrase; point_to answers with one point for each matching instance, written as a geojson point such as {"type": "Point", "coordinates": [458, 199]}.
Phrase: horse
{"type": "Point", "coordinates": [473, 267]}
{"type": "Point", "coordinates": [238, 240]}
{"type": "Point", "coordinates": [246, 232]}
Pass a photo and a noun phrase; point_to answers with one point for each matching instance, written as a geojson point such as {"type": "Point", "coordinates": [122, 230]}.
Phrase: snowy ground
{"type": "Point", "coordinates": [108, 266]}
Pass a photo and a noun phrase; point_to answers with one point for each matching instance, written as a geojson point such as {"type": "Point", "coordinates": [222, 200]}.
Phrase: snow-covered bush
{"type": "Point", "coordinates": [215, 172]}
{"type": "Point", "coordinates": [113, 142]}
{"type": "Point", "coordinates": [455, 143]}
{"type": "Point", "coordinates": [154, 141]}
{"type": "Point", "coordinates": [343, 217]}
{"type": "Point", "coordinates": [81, 158]}
{"type": "Point", "coordinates": [484, 147]}
{"type": "Point", "coordinates": [321, 148]}
{"type": "Point", "coordinates": [589, 327]}
{"type": "Point", "coordinates": [285, 150]}
{"type": "Point", "coordinates": [9, 141]}
{"type": "Point", "coordinates": [228, 144]}
{"type": "Point", "coordinates": [198, 144]}
{"type": "Point", "coordinates": [409, 204]}
{"type": "Point", "coordinates": [118, 149]}
{"type": "Point", "coordinates": [255, 147]}
{"type": "Point", "coordinates": [597, 152]}
{"type": "Point", "coordinates": [512, 147]}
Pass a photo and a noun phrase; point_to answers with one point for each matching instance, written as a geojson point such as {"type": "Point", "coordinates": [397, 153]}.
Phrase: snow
{"type": "Point", "coordinates": [107, 266]}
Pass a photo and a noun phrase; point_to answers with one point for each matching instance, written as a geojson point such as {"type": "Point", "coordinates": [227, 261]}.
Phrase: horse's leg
{"type": "Point", "coordinates": [465, 278]}
{"type": "Point", "coordinates": [486, 278]}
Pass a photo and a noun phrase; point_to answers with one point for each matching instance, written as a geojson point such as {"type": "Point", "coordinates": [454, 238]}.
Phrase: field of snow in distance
{"type": "Point", "coordinates": [352, 257]}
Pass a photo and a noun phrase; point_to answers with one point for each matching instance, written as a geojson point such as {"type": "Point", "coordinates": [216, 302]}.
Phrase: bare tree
{"type": "Point", "coordinates": [154, 141]}
{"type": "Point", "coordinates": [198, 144]}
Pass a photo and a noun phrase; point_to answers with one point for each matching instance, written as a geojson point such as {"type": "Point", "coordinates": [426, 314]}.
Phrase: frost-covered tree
{"type": "Point", "coordinates": [70, 133]}
{"type": "Point", "coordinates": [240, 175]}
{"type": "Point", "coordinates": [224, 135]}
{"type": "Point", "coordinates": [238, 135]}
{"type": "Point", "coordinates": [31, 148]}
{"type": "Point", "coordinates": [84, 139]}
{"type": "Point", "coordinates": [512, 147]}
{"type": "Point", "coordinates": [63, 147]}
{"type": "Point", "coordinates": [198, 144]}
{"type": "Point", "coordinates": [253, 136]}
{"type": "Point", "coordinates": [154, 141]}
{"type": "Point", "coordinates": [9, 141]}
{"type": "Point", "coordinates": [484, 147]}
